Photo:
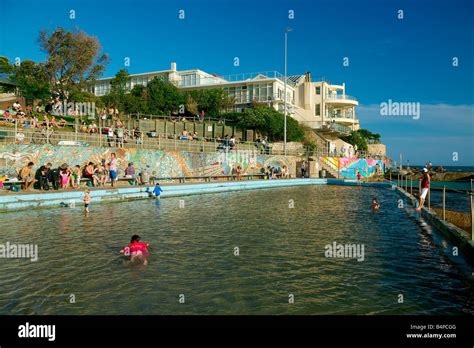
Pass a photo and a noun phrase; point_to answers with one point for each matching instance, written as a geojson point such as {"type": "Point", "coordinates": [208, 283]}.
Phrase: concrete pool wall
{"type": "Point", "coordinates": [162, 163]}
{"type": "Point", "coordinates": [460, 237]}
{"type": "Point", "coordinates": [19, 201]}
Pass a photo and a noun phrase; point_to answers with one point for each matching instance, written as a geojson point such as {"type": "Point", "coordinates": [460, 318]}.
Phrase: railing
{"type": "Point", "coordinates": [340, 114]}
{"type": "Point", "coordinates": [245, 98]}
{"type": "Point", "coordinates": [74, 135]}
{"type": "Point", "coordinates": [70, 135]}
{"type": "Point", "coordinates": [340, 97]}
{"type": "Point", "coordinates": [339, 128]}
{"type": "Point", "coordinates": [327, 126]}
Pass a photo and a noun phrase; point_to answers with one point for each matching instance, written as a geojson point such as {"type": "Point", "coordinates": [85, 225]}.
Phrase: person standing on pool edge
{"type": "Point", "coordinates": [113, 169]}
{"type": "Point", "coordinates": [425, 187]}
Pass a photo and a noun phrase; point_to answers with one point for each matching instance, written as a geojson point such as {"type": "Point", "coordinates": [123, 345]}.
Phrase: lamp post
{"type": "Point", "coordinates": [288, 30]}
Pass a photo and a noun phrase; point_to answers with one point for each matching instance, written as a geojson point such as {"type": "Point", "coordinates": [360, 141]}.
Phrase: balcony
{"type": "Point", "coordinates": [344, 117]}
{"type": "Point", "coordinates": [341, 99]}
{"type": "Point", "coordinates": [246, 98]}
{"type": "Point", "coordinates": [334, 129]}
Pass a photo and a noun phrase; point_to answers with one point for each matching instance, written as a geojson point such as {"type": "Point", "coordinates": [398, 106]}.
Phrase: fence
{"type": "Point", "coordinates": [71, 134]}
{"type": "Point", "coordinates": [461, 212]}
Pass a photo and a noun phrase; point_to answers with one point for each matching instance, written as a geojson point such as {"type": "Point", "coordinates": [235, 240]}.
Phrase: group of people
{"type": "Point", "coordinates": [227, 143]}
{"type": "Point", "coordinates": [186, 135]}
{"type": "Point", "coordinates": [263, 145]}
{"type": "Point", "coordinates": [65, 176]}
{"type": "Point", "coordinates": [272, 172]}
{"type": "Point", "coordinates": [28, 119]}
{"type": "Point", "coordinates": [47, 176]}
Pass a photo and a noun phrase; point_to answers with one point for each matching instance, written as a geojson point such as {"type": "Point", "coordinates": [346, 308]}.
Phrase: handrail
{"type": "Point", "coordinates": [160, 141]}
{"type": "Point", "coordinates": [341, 97]}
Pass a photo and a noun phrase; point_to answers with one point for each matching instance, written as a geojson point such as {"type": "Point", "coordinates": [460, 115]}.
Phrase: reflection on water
{"type": "Point", "coordinates": [281, 252]}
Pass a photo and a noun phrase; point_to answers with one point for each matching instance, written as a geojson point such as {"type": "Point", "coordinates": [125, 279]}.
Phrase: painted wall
{"type": "Point", "coordinates": [163, 163]}
{"type": "Point", "coordinates": [347, 167]}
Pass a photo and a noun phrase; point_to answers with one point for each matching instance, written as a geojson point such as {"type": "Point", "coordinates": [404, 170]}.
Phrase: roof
{"type": "Point", "coordinates": [295, 79]}
{"type": "Point", "coordinates": [5, 80]}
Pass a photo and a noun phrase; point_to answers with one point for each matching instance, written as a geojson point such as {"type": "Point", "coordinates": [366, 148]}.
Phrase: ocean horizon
{"type": "Point", "coordinates": [447, 168]}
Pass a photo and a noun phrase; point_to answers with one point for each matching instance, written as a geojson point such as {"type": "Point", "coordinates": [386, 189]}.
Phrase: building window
{"type": "Point", "coordinates": [317, 110]}
{"type": "Point", "coordinates": [318, 90]}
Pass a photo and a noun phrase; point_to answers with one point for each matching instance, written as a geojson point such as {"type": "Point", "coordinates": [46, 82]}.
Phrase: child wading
{"type": "Point", "coordinates": [157, 191]}
{"type": "Point", "coordinates": [87, 200]}
{"type": "Point", "coordinates": [137, 250]}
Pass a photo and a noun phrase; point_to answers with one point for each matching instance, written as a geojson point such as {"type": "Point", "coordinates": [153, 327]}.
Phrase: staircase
{"type": "Point", "coordinates": [330, 168]}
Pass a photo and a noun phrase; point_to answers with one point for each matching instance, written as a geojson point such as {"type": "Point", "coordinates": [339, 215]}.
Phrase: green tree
{"type": "Point", "coordinates": [192, 105]}
{"type": "Point", "coordinates": [73, 59]}
{"type": "Point", "coordinates": [32, 81]}
{"type": "Point", "coordinates": [5, 66]}
{"type": "Point", "coordinates": [118, 89]}
{"type": "Point", "coordinates": [270, 122]}
{"type": "Point", "coordinates": [211, 101]}
{"type": "Point", "coordinates": [136, 102]}
{"type": "Point", "coordinates": [356, 138]}
{"type": "Point", "coordinates": [164, 98]}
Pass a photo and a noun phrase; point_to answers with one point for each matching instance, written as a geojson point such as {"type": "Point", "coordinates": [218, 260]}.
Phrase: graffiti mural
{"type": "Point", "coordinates": [348, 167]}
{"type": "Point", "coordinates": [158, 163]}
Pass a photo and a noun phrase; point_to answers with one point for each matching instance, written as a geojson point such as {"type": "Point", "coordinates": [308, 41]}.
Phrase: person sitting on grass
{"type": "Point", "coordinates": [62, 123]}
{"type": "Point", "coordinates": [52, 122]}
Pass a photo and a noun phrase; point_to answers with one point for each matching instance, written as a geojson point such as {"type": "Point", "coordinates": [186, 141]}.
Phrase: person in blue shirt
{"type": "Point", "coordinates": [157, 191]}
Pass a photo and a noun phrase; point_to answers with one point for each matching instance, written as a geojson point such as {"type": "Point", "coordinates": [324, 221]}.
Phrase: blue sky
{"type": "Point", "coordinates": [407, 60]}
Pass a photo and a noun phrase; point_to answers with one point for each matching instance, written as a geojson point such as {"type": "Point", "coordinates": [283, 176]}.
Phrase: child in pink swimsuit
{"type": "Point", "coordinates": [137, 250]}
{"type": "Point", "coordinates": [64, 178]}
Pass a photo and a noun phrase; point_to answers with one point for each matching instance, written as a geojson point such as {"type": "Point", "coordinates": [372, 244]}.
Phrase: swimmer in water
{"type": "Point", "coordinates": [375, 204]}
{"type": "Point", "coordinates": [137, 250]}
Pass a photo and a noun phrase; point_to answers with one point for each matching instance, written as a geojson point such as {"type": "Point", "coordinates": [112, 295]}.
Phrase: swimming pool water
{"type": "Point", "coordinates": [281, 252]}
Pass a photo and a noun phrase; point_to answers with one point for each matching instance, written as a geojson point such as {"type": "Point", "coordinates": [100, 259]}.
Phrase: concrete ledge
{"type": "Point", "coordinates": [15, 202]}
{"type": "Point", "coordinates": [457, 235]}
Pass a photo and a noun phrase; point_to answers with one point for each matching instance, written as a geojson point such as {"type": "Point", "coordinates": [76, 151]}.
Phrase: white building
{"type": "Point", "coordinates": [319, 105]}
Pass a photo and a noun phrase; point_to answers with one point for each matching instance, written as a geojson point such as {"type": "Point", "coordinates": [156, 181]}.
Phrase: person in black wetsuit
{"type": "Point", "coordinates": [41, 177]}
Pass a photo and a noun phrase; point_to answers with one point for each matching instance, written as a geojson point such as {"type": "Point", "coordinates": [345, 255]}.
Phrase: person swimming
{"type": "Point", "coordinates": [137, 250]}
{"type": "Point", "coordinates": [375, 204]}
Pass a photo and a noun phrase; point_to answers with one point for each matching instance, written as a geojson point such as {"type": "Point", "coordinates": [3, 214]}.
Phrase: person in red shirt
{"type": "Point", "coordinates": [425, 186]}
{"type": "Point", "coordinates": [137, 250]}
